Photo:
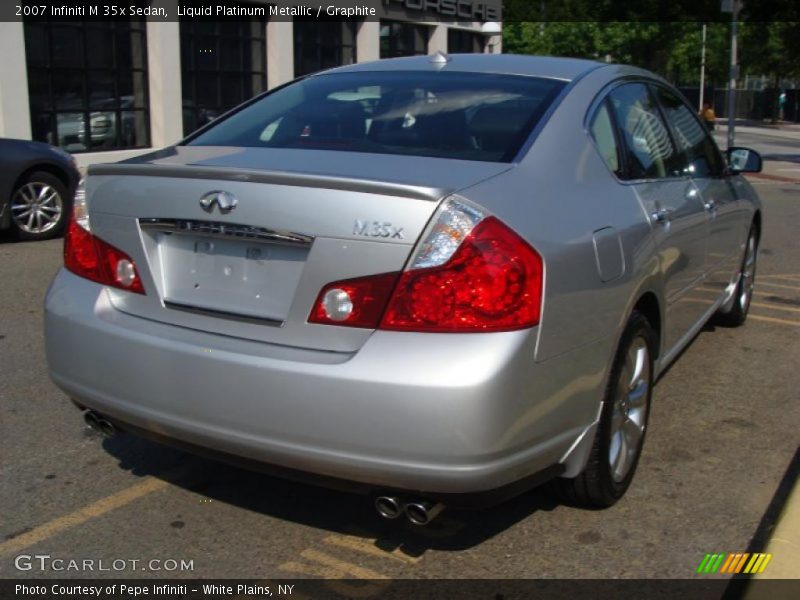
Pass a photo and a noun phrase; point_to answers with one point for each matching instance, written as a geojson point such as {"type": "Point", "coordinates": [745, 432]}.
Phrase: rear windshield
{"type": "Point", "coordinates": [450, 115]}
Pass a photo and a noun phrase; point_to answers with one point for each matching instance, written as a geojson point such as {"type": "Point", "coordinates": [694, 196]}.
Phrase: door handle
{"type": "Point", "coordinates": [710, 205]}
{"type": "Point", "coordinates": [662, 216]}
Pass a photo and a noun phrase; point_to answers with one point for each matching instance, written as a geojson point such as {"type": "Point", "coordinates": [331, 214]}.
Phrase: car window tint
{"type": "Point", "coordinates": [603, 133]}
{"type": "Point", "coordinates": [701, 157]}
{"type": "Point", "coordinates": [451, 115]}
{"type": "Point", "coordinates": [650, 151]}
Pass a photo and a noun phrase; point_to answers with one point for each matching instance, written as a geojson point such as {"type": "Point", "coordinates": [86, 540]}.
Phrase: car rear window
{"type": "Point", "coordinates": [466, 116]}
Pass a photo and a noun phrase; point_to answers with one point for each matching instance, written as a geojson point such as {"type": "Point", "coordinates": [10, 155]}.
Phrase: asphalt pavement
{"type": "Point", "coordinates": [717, 468]}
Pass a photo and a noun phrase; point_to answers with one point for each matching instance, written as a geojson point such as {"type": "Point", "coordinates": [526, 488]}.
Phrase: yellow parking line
{"type": "Point", "coordinates": [299, 568]}
{"type": "Point", "coordinates": [368, 547]}
{"type": "Point", "coordinates": [774, 306]}
{"type": "Point", "coordinates": [773, 320]}
{"type": "Point", "coordinates": [56, 526]}
{"type": "Point", "coordinates": [789, 277]}
{"type": "Point", "coordinates": [780, 285]}
{"type": "Point", "coordinates": [341, 565]}
{"type": "Point", "coordinates": [755, 293]}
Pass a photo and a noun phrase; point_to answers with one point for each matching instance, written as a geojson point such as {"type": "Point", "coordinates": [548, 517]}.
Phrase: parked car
{"type": "Point", "coordinates": [37, 182]}
{"type": "Point", "coordinates": [464, 293]}
{"type": "Point", "coordinates": [106, 131]}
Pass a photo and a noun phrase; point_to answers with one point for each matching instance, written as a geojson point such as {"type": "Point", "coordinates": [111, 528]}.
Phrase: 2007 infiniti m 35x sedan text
{"type": "Point", "coordinates": [441, 279]}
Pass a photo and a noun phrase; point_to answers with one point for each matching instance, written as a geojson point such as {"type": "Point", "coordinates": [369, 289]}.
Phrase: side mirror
{"type": "Point", "coordinates": [743, 160]}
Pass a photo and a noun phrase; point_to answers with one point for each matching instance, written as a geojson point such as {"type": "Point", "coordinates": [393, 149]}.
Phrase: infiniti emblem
{"type": "Point", "coordinates": [224, 200]}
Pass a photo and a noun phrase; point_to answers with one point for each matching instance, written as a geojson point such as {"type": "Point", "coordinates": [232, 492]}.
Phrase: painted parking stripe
{"type": "Point", "coordinates": [751, 315]}
{"type": "Point", "coordinates": [774, 306]}
{"type": "Point", "coordinates": [341, 565]}
{"type": "Point", "coordinates": [80, 516]}
{"type": "Point", "coordinates": [780, 285]}
{"type": "Point", "coordinates": [773, 320]}
{"type": "Point", "coordinates": [367, 546]}
{"type": "Point", "coordinates": [709, 290]}
{"type": "Point", "coordinates": [789, 277]}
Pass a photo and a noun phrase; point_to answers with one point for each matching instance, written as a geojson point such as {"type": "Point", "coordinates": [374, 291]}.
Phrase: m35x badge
{"type": "Point", "coordinates": [379, 229]}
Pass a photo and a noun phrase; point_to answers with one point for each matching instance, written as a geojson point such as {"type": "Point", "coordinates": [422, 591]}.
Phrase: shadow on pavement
{"type": "Point", "coordinates": [319, 507]}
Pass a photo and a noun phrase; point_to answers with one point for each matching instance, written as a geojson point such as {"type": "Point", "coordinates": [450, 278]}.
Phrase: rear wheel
{"type": "Point", "coordinates": [39, 207]}
{"type": "Point", "coordinates": [620, 435]}
{"type": "Point", "coordinates": [737, 314]}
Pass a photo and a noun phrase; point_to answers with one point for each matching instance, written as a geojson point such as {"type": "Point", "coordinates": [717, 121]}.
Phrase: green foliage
{"type": "Point", "coordinates": [771, 48]}
{"type": "Point", "coordinates": [669, 48]}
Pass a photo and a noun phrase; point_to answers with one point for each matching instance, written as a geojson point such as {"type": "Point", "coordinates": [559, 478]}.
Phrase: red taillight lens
{"type": "Point", "coordinates": [90, 257]}
{"type": "Point", "coordinates": [493, 282]}
{"type": "Point", "coordinates": [354, 302]}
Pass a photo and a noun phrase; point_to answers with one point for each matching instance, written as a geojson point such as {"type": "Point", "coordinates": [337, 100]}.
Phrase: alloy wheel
{"type": "Point", "coordinates": [629, 413]}
{"type": "Point", "coordinates": [748, 274]}
{"type": "Point", "coordinates": [36, 207]}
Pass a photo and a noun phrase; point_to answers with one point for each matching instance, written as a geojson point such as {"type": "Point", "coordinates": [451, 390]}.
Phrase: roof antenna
{"type": "Point", "coordinates": [440, 58]}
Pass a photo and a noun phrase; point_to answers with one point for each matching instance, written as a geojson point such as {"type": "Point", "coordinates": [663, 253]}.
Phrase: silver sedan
{"type": "Point", "coordinates": [443, 279]}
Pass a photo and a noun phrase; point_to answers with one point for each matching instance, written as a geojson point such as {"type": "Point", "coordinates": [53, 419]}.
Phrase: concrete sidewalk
{"type": "Point", "coordinates": [784, 544]}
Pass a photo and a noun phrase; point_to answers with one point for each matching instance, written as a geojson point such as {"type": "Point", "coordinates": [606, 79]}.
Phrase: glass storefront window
{"type": "Point", "coordinates": [403, 39]}
{"type": "Point", "coordinates": [322, 45]}
{"type": "Point", "coordinates": [87, 83]}
{"type": "Point", "coordinates": [460, 41]}
{"type": "Point", "coordinates": [222, 65]}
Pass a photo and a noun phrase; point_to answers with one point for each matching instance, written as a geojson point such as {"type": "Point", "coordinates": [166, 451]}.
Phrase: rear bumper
{"type": "Point", "coordinates": [443, 414]}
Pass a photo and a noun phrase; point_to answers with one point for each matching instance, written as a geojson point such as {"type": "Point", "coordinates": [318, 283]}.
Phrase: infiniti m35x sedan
{"type": "Point", "coordinates": [439, 279]}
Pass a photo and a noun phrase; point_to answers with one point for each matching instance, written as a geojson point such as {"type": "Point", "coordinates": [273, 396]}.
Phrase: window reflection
{"type": "Point", "coordinates": [88, 84]}
{"type": "Point", "coordinates": [222, 65]}
{"type": "Point", "coordinates": [403, 39]}
{"type": "Point", "coordinates": [322, 45]}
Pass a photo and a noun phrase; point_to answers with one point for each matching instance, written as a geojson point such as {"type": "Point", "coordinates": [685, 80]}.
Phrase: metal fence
{"type": "Point", "coordinates": [750, 104]}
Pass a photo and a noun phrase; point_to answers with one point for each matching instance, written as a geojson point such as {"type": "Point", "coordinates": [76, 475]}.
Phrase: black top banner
{"type": "Point", "coordinates": [507, 11]}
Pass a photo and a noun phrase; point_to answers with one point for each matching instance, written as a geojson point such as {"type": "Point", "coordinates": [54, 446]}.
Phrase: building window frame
{"type": "Point", "coordinates": [45, 118]}
{"type": "Point", "coordinates": [194, 37]}
{"type": "Point", "coordinates": [403, 38]}
{"type": "Point", "coordinates": [344, 53]}
{"type": "Point", "coordinates": [465, 41]}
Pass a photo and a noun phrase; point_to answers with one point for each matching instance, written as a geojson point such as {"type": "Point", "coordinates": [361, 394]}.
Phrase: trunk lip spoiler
{"type": "Point", "coordinates": [289, 178]}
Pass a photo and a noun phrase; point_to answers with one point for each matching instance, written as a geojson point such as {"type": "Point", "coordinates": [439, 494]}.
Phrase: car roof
{"type": "Point", "coordinates": [566, 69]}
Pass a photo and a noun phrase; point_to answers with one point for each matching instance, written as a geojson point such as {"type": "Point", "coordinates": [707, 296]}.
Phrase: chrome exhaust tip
{"type": "Point", "coordinates": [91, 420]}
{"type": "Point", "coordinates": [98, 423]}
{"type": "Point", "coordinates": [423, 512]}
{"type": "Point", "coordinates": [107, 428]}
{"type": "Point", "coordinates": [389, 507]}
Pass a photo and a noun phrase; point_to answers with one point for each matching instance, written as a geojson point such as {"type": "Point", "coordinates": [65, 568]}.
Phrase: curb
{"type": "Point", "coordinates": [784, 543]}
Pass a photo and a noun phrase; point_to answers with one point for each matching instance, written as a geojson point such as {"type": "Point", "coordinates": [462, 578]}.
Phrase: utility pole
{"type": "Point", "coordinates": [733, 6]}
{"type": "Point", "coordinates": [702, 71]}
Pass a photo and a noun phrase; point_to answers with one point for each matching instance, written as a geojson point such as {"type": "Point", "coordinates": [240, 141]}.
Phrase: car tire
{"type": "Point", "coordinates": [39, 207]}
{"type": "Point", "coordinates": [736, 315]}
{"type": "Point", "coordinates": [623, 423]}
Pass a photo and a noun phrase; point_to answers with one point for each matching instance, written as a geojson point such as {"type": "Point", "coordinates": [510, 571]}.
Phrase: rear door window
{"type": "Point", "coordinates": [602, 130]}
{"type": "Point", "coordinates": [649, 149]}
{"type": "Point", "coordinates": [467, 116]}
{"type": "Point", "coordinates": [701, 157]}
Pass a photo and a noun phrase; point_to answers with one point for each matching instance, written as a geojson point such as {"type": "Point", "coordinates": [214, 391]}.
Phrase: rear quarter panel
{"type": "Point", "coordinates": [559, 194]}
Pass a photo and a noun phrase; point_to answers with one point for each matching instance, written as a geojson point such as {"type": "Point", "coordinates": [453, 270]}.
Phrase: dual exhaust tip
{"type": "Point", "coordinates": [100, 423]}
{"type": "Point", "coordinates": [419, 512]}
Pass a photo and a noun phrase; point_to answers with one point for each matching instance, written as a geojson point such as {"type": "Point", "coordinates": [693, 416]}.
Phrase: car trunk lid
{"type": "Point", "coordinates": [254, 270]}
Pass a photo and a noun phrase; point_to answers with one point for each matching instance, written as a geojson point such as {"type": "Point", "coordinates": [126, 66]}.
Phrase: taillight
{"type": "Point", "coordinates": [90, 257]}
{"type": "Point", "coordinates": [354, 302]}
{"type": "Point", "coordinates": [471, 273]}
{"type": "Point", "coordinates": [492, 282]}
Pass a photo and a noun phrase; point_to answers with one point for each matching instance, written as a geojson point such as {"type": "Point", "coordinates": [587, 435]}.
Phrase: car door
{"type": "Point", "coordinates": [670, 199]}
{"type": "Point", "coordinates": [703, 163]}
